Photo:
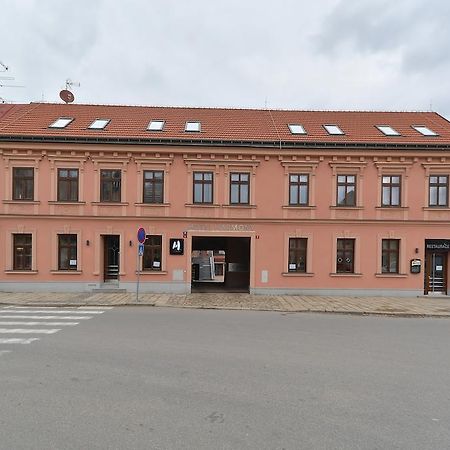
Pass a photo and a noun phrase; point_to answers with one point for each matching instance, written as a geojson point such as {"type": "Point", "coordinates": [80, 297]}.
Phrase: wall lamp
{"type": "Point", "coordinates": [87, 242]}
{"type": "Point", "coordinates": [131, 243]}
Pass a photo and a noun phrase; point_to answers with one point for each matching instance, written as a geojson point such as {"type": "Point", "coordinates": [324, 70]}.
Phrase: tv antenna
{"type": "Point", "coordinates": [66, 94]}
{"type": "Point", "coordinates": [4, 67]}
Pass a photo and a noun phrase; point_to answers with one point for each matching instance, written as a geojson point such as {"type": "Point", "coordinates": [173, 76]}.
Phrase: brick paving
{"type": "Point", "coordinates": [395, 306]}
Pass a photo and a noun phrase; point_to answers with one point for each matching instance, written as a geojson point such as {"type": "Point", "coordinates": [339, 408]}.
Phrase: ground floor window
{"type": "Point", "coordinates": [152, 258]}
{"type": "Point", "coordinates": [297, 254]}
{"type": "Point", "coordinates": [345, 258]}
{"type": "Point", "coordinates": [390, 255]}
{"type": "Point", "coordinates": [22, 251]}
{"type": "Point", "coordinates": [67, 252]}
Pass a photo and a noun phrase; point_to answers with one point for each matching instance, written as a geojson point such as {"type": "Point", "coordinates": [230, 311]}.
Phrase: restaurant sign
{"type": "Point", "coordinates": [442, 245]}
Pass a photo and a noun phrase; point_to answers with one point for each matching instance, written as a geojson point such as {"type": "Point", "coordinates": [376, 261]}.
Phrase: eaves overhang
{"type": "Point", "coordinates": [222, 143]}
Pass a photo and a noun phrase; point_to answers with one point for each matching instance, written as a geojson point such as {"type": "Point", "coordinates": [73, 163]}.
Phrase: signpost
{"type": "Point", "coordinates": [141, 236]}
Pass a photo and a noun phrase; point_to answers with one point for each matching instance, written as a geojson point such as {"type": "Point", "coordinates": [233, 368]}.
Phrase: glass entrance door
{"type": "Point", "coordinates": [436, 273]}
{"type": "Point", "coordinates": [111, 257]}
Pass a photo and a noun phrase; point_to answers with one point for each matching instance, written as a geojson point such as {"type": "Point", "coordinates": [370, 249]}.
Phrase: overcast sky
{"type": "Point", "coordinates": [284, 54]}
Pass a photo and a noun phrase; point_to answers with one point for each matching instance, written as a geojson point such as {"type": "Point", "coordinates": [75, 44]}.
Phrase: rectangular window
{"type": "Point", "coordinates": [67, 252]}
{"type": "Point", "coordinates": [239, 188]}
{"type": "Point", "coordinates": [390, 255]}
{"type": "Point", "coordinates": [152, 258]}
{"type": "Point", "coordinates": [23, 183]}
{"type": "Point", "coordinates": [67, 185]}
{"type": "Point", "coordinates": [203, 187]}
{"type": "Point", "coordinates": [346, 190]}
{"type": "Point", "coordinates": [297, 255]}
{"type": "Point", "coordinates": [110, 185]}
{"type": "Point", "coordinates": [390, 195]}
{"type": "Point", "coordinates": [153, 186]}
{"type": "Point", "coordinates": [438, 190]}
{"type": "Point", "coordinates": [298, 189]}
{"type": "Point", "coordinates": [22, 251]}
{"type": "Point", "coordinates": [345, 256]}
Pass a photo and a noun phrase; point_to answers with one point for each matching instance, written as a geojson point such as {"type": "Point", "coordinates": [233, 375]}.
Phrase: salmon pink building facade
{"type": "Point", "coordinates": [260, 201]}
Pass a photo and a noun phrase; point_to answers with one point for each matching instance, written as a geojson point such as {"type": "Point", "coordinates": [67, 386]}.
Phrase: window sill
{"type": "Point", "coordinates": [390, 208]}
{"type": "Point", "coordinates": [202, 205]}
{"type": "Point", "coordinates": [21, 202]}
{"type": "Point", "coordinates": [152, 272]}
{"type": "Point", "coordinates": [239, 205]}
{"type": "Point", "coordinates": [436, 208]}
{"type": "Point", "coordinates": [297, 274]}
{"type": "Point", "coordinates": [299, 207]}
{"type": "Point", "coordinates": [345, 274]}
{"type": "Point", "coordinates": [21, 272]}
{"type": "Point", "coordinates": [66, 272]}
{"type": "Point", "coordinates": [65, 202]}
{"type": "Point", "coordinates": [346, 207]}
{"type": "Point", "coordinates": [153, 205]}
{"type": "Point", "coordinates": [110, 203]}
{"type": "Point", "coordinates": [391, 275]}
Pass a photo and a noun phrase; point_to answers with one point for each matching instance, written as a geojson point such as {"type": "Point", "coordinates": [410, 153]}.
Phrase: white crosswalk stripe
{"type": "Point", "coordinates": [17, 321]}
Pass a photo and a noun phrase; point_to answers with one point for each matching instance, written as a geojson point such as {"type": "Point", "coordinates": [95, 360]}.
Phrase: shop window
{"type": "Point", "coordinates": [153, 186]}
{"type": "Point", "coordinates": [239, 188]}
{"type": "Point", "coordinates": [110, 185]}
{"type": "Point", "coordinates": [297, 255]}
{"type": "Point", "coordinates": [390, 255]}
{"type": "Point", "coordinates": [67, 252]}
{"type": "Point", "coordinates": [345, 258]}
{"type": "Point", "coordinates": [67, 185]}
{"type": "Point", "coordinates": [23, 183]}
{"type": "Point", "coordinates": [22, 251]}
{"type": "Point", "coordinates": [152, 258]}
{"type": "Point", "coordinates": [298, 189]}
{"type": "Point", "coordinates": [391, 190]}
{"type": "Point", "coordinates": [346, 190]}
{"type": "Point", "coordinates": [438, 190]}
{"type": "Point", "coordinates": [203, 187]}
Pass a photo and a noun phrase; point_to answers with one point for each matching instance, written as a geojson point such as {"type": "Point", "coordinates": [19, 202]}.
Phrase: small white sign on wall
{"type": "Point", "coordinates": [72, 262]}
{"type": "Point", "coordinates": [264, 276]}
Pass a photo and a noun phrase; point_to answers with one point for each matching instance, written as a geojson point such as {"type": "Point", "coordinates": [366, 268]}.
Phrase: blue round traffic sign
{"type": "Point", "coordinates": [141, 235]}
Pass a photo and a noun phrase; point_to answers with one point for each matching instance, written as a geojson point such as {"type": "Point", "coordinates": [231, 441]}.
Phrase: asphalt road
{"type": "Point", "coordinates": [156, 378]}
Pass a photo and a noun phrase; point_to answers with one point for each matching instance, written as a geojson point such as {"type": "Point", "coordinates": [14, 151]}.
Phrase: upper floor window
{"type": "Point", "coordinates": [110, 185]}
{"type": "Point", "coordinates": [333, 129]}
{"type": "Point", "coordinates": [193, 126]}
{"type": "Point", "coordinates": [425, 131]}
{"type": "Point", "coordinates": [156, 125]}
{"type": "Point", "coordinates": [62, 122]}
{"type": "Point", "coordinates": [152, 257]}
{"type": "Point", "coordinates": [346, 190]}
{"type": "Point", "coordinates": [298, 189]}
{"type": "Point", "coordinates": [389, 255]}
{"type": "Point", "coordinates": [387, 130]}
{"type": "Point", "coordinates": [295, 128]}
{"type": "Point", "coordinates": [22, 251]}
{"type": "Point", "coordinates": [345, 257]}
{"type": "Point", "coordinates": [67, 252]}
{"type": "Point", "coordinates": [153, 186]}
{"type": "Point", "coordinates": [297, 254]}
{"type": "Point", "coordinates": [67, 185]}
{"type": "Point", "coordinates": [438, 190]}
{"type": "Point", "coordinates": [390, 195]}
{"type": "Point", "coordinates": [23, 183]}
{"type": "Point", "coordinates": [239, 188]}
{"type": "Point", "coordinates": [203, 187]}
{"type": "Point", "coordinates": [99, 124]}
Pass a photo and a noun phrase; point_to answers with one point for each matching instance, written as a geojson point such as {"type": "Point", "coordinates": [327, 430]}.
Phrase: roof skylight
{"type": "Point", "coordinates": [295, 128]}
{"type": "Point", "coordinates": [156, 125]}
{"type": "Point", "coordinates": [192, 126]}
{"type": "Point", "coordinates": [62, 122]}
{"type": "Point", "coordinates": [387, 130]}
{"type": "Point", "coordinates": [422, 129]}
{"type": "Point", "coordinates": [333, 129]}
{"type": "Point", "coordinates": [99, 124]}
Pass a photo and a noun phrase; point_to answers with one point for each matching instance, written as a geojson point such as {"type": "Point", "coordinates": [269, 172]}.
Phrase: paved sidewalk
{"type": "Point", "coordinates": [396, 306]}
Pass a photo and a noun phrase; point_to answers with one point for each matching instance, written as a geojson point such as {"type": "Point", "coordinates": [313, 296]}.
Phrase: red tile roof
{"type": "Point", "coordinates": [218, 124]}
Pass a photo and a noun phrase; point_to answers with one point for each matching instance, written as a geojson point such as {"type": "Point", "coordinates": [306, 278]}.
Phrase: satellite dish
{"type": "Point", "coordinates": [66, 96]}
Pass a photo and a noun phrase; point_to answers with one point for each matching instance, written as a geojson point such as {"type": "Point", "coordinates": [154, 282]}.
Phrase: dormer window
{"type": "Point", "coordinates": [156, 125]}
{"type": "Point", "coordinates": [99, 124]}
{"type": "Point", "coordinates": [425, 131]}
{"type": "Point", "coordinates": [62, 122]}
{"type": "Point", "coordinates": [193, 126]}
{"type": "Point", "coordinates": [387, 130]}
{"type": "Point", "coordinates": [333, 129]}
{"type": "Point", "coordinates": [295, 128]}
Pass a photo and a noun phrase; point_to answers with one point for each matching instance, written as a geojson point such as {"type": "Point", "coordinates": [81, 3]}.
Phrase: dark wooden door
{"type": "Point", "coordinates": [111, 257]}
{"type": "Point", "coordinates": [436, 273]}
